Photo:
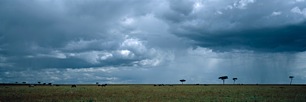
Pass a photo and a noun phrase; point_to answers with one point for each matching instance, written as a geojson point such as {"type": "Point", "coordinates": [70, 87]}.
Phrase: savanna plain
{"type": "Point", "coordinates": [140, 93]}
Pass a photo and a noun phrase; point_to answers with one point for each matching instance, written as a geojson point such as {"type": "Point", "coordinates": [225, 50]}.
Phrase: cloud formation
{"type": "Point", "coordinates": [93, 31]}
{"type": "Point", "coordinates": [241, 24]}
{"type": "Point", "coordinates": [132, 41]}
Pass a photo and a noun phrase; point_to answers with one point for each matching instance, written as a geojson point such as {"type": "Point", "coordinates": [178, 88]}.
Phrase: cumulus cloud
{"type": "Point", "coordinates": [297, 10]}
{"type": "Point", "coordinates": [242, 4]}
{"type": "Point", "coordinates": [79, 29]}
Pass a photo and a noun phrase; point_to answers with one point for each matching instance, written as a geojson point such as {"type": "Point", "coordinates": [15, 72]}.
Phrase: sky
{"type": "Point", "coordinates": [153, 41]}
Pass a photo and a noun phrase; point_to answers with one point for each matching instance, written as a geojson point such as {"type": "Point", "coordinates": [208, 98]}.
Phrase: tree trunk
{"type": "Point", "coordinates": [223, 81]}
{"type": "Point", "coordinates": [290, 81]}
{"type": "Point", "coordinates": [234, 81]}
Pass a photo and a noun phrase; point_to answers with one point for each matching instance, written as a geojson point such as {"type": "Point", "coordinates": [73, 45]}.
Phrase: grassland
{"type": "Point", "coordinates": [184, 93]}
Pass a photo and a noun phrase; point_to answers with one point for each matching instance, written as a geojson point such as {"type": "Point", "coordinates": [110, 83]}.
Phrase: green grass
{"type": "Point", "coordinates": [187, 93]}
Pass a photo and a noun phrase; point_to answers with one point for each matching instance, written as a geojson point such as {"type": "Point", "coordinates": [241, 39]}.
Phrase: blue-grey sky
{"type": "Point", "coordinates": [152, 41]}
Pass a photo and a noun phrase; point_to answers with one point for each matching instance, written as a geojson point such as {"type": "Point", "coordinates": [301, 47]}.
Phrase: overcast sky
{"type": "Point", "coordinates": [153, 41]}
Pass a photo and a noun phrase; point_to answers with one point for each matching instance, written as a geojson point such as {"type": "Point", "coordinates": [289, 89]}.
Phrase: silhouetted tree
{"type": "Point", "coordinates": [223, 78]}
{"type": "Point", "coordinates": [182, 80]}
{"type": "Point", "coordinates": [24, 82]}
{"type": "Point", "coordinates": [16, 82]}
{"type": "Point", "coordinates": [291, 77]}
{"type": "Point", "coordinates": [97, 83]}
{"type": "Point", "coordinates": [235, 80]}
{"type": "Point", "coordinates": [39, 82]}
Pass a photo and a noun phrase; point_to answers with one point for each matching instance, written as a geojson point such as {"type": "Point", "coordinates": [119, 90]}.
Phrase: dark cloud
{"type": "Point", "coordinates": [278, 39]}
{"type": "Point", "coordinates": [63, 33]}
{"type": "Point", "coordinates": [241, 25]}
{"type": "Point", "coordinates": [152, 41]}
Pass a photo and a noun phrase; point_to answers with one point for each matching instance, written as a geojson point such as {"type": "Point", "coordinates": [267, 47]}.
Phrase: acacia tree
{"type": "Point", "coordinates": [39, 82]}
{"type": "Point", "coordinates": [182, 80]}
{"type": "Point", "coordinates": [235, 80]}
{"type": "Point", "coordinates": [291, 77]}
{"type": "Point", "coordinates": [223, 78]}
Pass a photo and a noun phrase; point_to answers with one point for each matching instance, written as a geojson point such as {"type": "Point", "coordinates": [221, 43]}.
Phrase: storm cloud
{"type": "Point", "coordinates": [244, 24]}
{"type": "Point", "coordinates": [152, 41]}
{"type": "Point", "coordinates": [62, 31]}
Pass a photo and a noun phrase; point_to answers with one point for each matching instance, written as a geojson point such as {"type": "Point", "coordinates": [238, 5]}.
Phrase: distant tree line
{"type": "Point", "coordinates": [223, 78]}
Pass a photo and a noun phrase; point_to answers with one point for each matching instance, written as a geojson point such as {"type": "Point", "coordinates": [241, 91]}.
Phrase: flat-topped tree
{"type": "Point", "coordinates": [182, 80]}
{"type": "Point", "coordinates": [235, 80]}
{"type": "Point", "coordinates": [223, 78]}
{"type": "Point", "coordinates": [291, 77]}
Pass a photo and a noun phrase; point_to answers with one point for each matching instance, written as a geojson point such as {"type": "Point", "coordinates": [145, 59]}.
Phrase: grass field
{"type": "Point", "coordinates": [189, 93]}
